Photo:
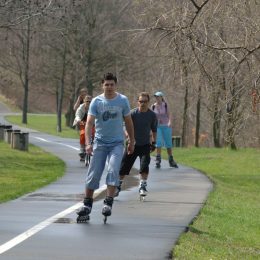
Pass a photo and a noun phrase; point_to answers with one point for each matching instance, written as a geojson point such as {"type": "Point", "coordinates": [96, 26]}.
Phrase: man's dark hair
{"type": "Point", "coordinates": [109, 76]}
{"type": "Point", "coordinates": [144, 94]}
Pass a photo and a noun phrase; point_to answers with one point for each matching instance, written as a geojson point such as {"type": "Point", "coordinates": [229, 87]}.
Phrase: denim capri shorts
{"type": "Point", "coordinates": [102, 154]}
{"type": "Point", "coordinates": [164, 137]}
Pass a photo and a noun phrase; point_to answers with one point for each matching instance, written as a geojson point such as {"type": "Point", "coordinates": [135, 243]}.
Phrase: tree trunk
{"type": "Point", "coordinates": [231, 108]}
{"type": "Point", "coordinates": [61, 88]}
{"type": "Point", "coordinates": [216, 120]}
{"type": "Point", "coordinates": [186, 104]}
{"type": "Point", "coordinates": [70, 114]}
{"type": "Point", "coordinates": [26, 59]}
{"type": "Point", "coordinates": [197, 132]}
{"type": "Point", "coordinates": [216, 127]}
{"type": "Point", "coordinates": [89, 69]}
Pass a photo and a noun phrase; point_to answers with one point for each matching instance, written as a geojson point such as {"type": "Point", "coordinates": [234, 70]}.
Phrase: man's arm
{"type": "Point", "coordinates": [77, 104]}
{"type": "Point", "coordinates": [154, 135]}
{"type": "Point", "coordinates": [170, 118]}
{"type": "Point", "coordinates": [130, 132]}
{"type": "Point", "coordinates": [78, 116]}
{"type": "Point", "coordinates": [88, 132]}
{"type": "Point", "coordinates": [153, 141]}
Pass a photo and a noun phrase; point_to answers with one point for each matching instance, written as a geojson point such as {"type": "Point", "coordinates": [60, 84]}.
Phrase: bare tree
{"type": "Point", "coordinates": [203, 54]}
{"type": "Point", "coordinates": [18, 25]}
{"type": "Point", "coordinates": [200, 26]}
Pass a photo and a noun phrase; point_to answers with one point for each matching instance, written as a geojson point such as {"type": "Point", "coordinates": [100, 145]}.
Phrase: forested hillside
{"type": "Point", "coordinates": [203, 54]}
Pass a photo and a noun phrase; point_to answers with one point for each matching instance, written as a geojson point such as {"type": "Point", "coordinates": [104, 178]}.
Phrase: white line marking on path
{"type": "Point", "coordinates": [47, 141]}
{"type": "Point", "coordinates": [35, 229]}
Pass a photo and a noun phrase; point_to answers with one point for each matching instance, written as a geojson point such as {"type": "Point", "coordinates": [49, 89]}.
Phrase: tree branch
{"type": "Point", "coordinates": [195, 4]}
{"type": "Point", "coordinates": [25, 17]}
{"type": "Point", "coordinates": [199, 8]}
{"type": "Point", "coordinates": [244, 58]}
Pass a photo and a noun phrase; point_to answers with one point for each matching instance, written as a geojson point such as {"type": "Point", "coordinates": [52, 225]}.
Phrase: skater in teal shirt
{"type": "Point", "coordinates": [107, 111]}
{"type": "Point", "coordinates": [164, 129]}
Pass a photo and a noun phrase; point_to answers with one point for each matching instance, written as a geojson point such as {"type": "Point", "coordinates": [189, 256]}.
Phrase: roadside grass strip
{"type": "Point", "coordinates": [23, 172]}
{"type": "Point", "coordinates": [228, 226]}
{"type": "Point", "coordinates": [46, 123]}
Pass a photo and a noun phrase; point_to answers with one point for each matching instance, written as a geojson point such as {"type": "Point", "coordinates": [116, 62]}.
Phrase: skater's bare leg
{"type": "Point", "coordinates": [111, 191]}
{"type": "Point", "coordinates": [89, 193]}
{"type": "Point", "coordinates": [159, 150]}
{"type": "Point", "coordinates": [169, 151]}
{"type": "Point", "coordinates": [144, 176]}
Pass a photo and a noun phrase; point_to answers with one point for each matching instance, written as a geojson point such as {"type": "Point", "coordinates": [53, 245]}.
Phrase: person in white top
{"type": "Point", "coordinates": [80, 123]}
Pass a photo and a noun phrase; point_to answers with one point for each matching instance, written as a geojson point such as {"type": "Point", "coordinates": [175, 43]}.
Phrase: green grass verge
{"type": "Point", "coordinates": [23, 172]}
{"type": "Point", "coordinates": [228, 226]}
{"type": "Point", "coordinates": [44, 123]}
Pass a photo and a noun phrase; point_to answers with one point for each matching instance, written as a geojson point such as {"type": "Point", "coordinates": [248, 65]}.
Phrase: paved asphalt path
{"type": "Point", "coordinates": [41, 225]}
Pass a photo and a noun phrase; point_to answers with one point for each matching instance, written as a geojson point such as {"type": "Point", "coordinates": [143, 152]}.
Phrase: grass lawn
{"type": "Point", "coordinates": [44, 123]}
{"type": "Point", "coordinates": [23, 172]}
{"type": "Point", "coordinates": [228, 226]}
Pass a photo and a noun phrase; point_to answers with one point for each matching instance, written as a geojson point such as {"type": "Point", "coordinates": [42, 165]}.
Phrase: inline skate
{"type": "Point", "coordinates": [107, 208]}
{"type": "Point", "coordinates": [84, 211]}
{"type": "Point", "coordinates": [142, 191]}
{"type": "Point", "coordinates": [172, 163]}
{"type": "Point", "coordinates": [158, 161]}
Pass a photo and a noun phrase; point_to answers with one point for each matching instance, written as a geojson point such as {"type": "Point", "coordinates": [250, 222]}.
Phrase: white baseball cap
{"type": "Point", "coordinates": [158, 94]}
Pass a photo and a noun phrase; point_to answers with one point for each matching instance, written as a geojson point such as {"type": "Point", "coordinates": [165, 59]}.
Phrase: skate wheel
{"type": "Point", "coordinates": [142, 198]}
{"type": "Point", "coordinates": [83, 219]}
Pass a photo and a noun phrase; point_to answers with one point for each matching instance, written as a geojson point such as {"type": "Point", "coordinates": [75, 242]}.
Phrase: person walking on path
{"type": "Point", "coordinates": [80, 122]}
{"type": "Point", "coordinates": [164, 129]}
{"type": "Point", "coordinates": [145, 122]}
{"type": "Point", "coordinates": [108, 111]}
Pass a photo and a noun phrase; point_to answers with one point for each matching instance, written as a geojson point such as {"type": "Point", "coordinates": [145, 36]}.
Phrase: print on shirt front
{"type": "Point", "coordinates": [110, 112]}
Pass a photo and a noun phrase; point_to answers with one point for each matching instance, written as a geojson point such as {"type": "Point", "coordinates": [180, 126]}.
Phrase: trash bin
{"type": "Point", "coordinates": [24, 140]}
{"type": "Point", "coordinates": [7, 135]}
{"type": "Point", "coordinates": [12, 136]}
{"type": "Point", "coordinates": [20, 141]}
{"type": "Point", "coordinates": [2, 128]}
{"type": "Point", "coordinates": [176, 141]}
